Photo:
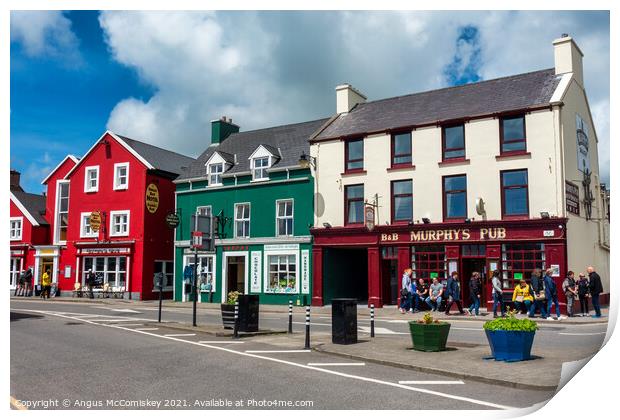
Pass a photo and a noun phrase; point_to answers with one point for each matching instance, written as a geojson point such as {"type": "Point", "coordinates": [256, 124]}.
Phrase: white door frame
{"type": "Point", "coordinates": [225, 256]}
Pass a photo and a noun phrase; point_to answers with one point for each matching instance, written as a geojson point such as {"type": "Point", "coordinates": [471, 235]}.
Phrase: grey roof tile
{"type": "Point", "coordinates": [34, 203]}
{"type": "Point", "coordinates": [161, 159]}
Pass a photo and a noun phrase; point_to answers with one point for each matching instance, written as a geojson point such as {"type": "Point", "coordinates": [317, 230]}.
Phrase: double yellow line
{"type": "Point", "coordinates": [15, 404]}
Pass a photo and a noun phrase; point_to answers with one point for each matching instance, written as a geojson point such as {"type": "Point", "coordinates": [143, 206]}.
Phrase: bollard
{"type": "Point", "coordinates": [372, 319]}
{"type": "Point", "coordinates": [236, 328]}
{"type": "Point", "coordinates": [290, 317]}
{"type": "Point", "coordinates": [307, 346]}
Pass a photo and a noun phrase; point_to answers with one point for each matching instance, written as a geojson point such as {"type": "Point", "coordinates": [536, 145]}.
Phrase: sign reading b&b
{"type": "Point", "coordinates": [152, 198]}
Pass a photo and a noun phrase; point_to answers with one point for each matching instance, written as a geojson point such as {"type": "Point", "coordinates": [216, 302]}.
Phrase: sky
{"type": "Point", "coordinates": [161, 77]}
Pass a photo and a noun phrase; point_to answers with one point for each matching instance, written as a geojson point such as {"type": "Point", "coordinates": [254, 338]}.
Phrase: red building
{"type": "Point", "coordinates": [128, 183]}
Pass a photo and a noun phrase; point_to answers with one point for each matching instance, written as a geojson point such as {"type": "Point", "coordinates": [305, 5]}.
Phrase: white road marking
{"type": "Point", "coordinates": [129, 311]}
{"type": "Point", "coordinates": [467, 329]}
{"type": "Point", "coordinates": [380, 330]}
{"type": "Point", "coordinates": [221, 342]}
{"type": "Point", "coordinates": [138, 329]}
{"type": "Point", "coordinates": [595, 333]}
{"type": "Point", "coordinates": [313, 323]}
{"type": "Point", "coordinates": [286, 362]}
{"type": "Point", "coordinates": [337, 364]}
{"type": "Point", "coordinates": [398, 321]}
{"type": "Point", "coordinates": [130, 325]}
{"type": "Point", "coordinates": [431, 382]}
{"type": "Point", "coordinates": [277, 351]}
{"type": "Point", "coordinates": [179, 335]}
{"type": "Point", "coordinates": [112, 320]}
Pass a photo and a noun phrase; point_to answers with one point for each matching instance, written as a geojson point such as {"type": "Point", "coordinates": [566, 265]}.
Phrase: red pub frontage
{"type": "Point", "coordinates": [515, 248]}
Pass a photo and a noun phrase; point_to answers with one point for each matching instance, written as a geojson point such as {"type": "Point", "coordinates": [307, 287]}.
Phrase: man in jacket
{"type": "Point", "coordinates": [570, 291]}
{"type": "Point", "coordinates": [475, 290]}
{"type": "Point", "coordinates": [596, 288]}
{"type": "Point", "coordinates": [551, 293]}
{"type": "Point", "coordinates": [453, 292]}
{"type": "Point", "coordinates": [405, 291]}
{"type": "Point", "coordinates": [90, 282]}
{"type": "Point", "coordinates": [498, 294]}
{"type": "Point", "coordinates": [538, 289]}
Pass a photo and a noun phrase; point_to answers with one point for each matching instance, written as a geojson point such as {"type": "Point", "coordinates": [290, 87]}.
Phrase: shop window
{"type": "Point", "coordinates": [14, 271]}
{"type": "Point", "coordinates": [515, 193]}
{"type": "Point", "coordinates": [282, 274]}
{"type": "Point", "coordinates": [354, 204]}
{"type": "Point", "coordinates": [428, 261]}
{"type": "Point", "coordinates": [354, 155]}
{"type": "Point", "coordinates": [62, 211]}
{"type": "Point", "coordinates": [453, 142]}
{"type": "Point", "coordinates": [284, 217]}
{"type": "Point", "coordinates": [473, 250]}
{"type": "Point", "coordinates": [16, 228]}
{"type": "Point", "coordinates": [166, 267]}
{"type": "Point", "coordinates": [402, 201]}
{"type": "Point", "coordinates": [119, 223]}
{"type": "Point", "coordinates": [401, 149]}
{"type": "Point", "coordinates": [242, 220]}
{"type": "Point", "coordinates": [455, 197]}
{"type": "Point", "coordinates": [519, 260]}
{"type": "Point", "coordinates": [512, 134]}
{"type": "Point", "coordinates": [121, 176]}
{"type": "Point", "coordinates": [108, 270]}
{"type": "Point", "coordinates": [205, 266]}
{"type": "Point", "coordinates": [389, 253]}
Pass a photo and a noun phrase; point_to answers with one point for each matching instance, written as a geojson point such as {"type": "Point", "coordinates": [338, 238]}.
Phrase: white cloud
{"type": "Point", "coordinates": [45, 33]}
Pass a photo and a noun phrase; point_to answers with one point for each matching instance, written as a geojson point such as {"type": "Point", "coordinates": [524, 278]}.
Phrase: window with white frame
{"type": "Point", "coordinates": [62, 211]}
{"type": "Point", "coordinates": [282, 274]}
{"type": "Point", "coordinates": [91, 179]}
{"type": "Point", "coordinates": [119, 223]}
{"type": "Point", "coordinates": [167, 268]}
{"type": "Point", "coordinates": [284, 217]}
{"type": "Point", "coordinates": [259, 168]}
{"type": "Point", "coordinates": [15, 269]}
{"type": "Point", "coordinates": [242, 220]}
{"type": "Point", "coordinates": [108, 270]}
{"type": "Point", "coordinates": [206, 276]}
{"type": "Point", "coordinates": [203, 210]}
{"type": "Point", "coordinates": [85, 230]}
{"type": "Point", "coordinates": [215, 173]}
{"type": "Point", "coordinates": [16, 228]}
{"type": "Point", "coordinates": [121, 176]}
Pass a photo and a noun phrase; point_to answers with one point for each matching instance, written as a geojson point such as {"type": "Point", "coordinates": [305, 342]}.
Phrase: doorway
{"type": "Point", "coordinates": [469, 266]}
{"type": "Point", "coordinates": [46, 264]}
{"type": "Point", "coordinates": [235, 274]}
{"type": "Point", "coordinates": [389, 282]}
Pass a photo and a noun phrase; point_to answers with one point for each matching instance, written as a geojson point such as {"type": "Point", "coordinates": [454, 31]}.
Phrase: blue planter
{"type": "Point", "coordinates": [510, 346]}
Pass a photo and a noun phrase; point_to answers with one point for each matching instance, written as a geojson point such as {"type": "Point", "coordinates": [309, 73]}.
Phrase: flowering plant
{"type": "Point", "coordinates": [428, 319]}
{"type": "Point", "coordinates": [232, 297]}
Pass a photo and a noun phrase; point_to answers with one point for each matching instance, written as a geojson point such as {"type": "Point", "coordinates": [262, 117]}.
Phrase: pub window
{"type": "Point", "coordinates": [455, 197]}
{"type": "Point", "coordinates": [402, 201]}
{"type": "Point", "coordinates": [453, 142]}
{"type": "Point", "coordinates": [401, 149]}
{"type": "Point", "coordinates": [473, 250]}
{"type": "Point", "coordinates": [512, 134]}
{"type": "Point", "coordinates": [354, 155]}
{"type": "Point", "coordinates": [354, 204]}
{"type": "Point", "coordinates": [514, 193]}
{"type": "Point", "coordinates": [428, 261]}
{"type": "Point", "coordinates": [108, 270]}
{"type": "Point", "coordinates": [519, 260]}
{"type": "Point", "coordinates": [572, 198]}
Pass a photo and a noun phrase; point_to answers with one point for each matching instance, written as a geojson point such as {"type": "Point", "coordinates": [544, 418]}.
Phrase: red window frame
{"type": "Point", "coordinates": [347, 200]}
{"type": "Point", "coordinates": [429, 259]}
{"type": "Point", "coordinates": [443, 144]}
{"type": "Point", "coordinates": [444, 204]}
{"type": "Point", "coordinates": [346, 156]}
{"type": "Point", "coordinates": [520, 216]}
{"type": "Point", "coordinates": [393, 154]}
{"type": "Point", "coordinates": [393, 200]}
{"type": "Point", "coordinates": [503, 141]}
{"type": "Point", "coordinates": [521, 258]}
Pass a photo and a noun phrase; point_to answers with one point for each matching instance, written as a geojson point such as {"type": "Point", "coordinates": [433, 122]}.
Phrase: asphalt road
{"type": "Point", "coordinates": [98, 356]}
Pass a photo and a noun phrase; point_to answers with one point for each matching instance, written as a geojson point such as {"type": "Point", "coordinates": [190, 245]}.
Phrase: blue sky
{"type": "Point", "coordinates": [161, 77]}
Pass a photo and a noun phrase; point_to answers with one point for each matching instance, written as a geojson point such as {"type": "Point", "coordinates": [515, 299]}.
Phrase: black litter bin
{"type": "Point", "coordinates": [248, 313]}
{"type": "Point", "coordinates": [344, 321]}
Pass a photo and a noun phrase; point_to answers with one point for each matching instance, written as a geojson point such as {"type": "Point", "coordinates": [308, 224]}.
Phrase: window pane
{"type": "Point", "coordinates": [403, 208]}
{"type": "Point", "coordinates": [356, 149]}
{"type": "Point", "coordinates": [455, 205]}
{"type": "Point", "coordinates": [402, 148]}
{"type": "Point", "coordinates": [514, 146]}
{"type": "Point", "coordinates": [355, 191]}
{"type": "Point", "coordinates": [356, 211]}
{"type": "Point", "coordinates": [515, 201]}
{"type": "Point", "coordinates": [403, 187]}
{"type": "Point", "coordinates": [514, 178]}
{"type": "Point", "coordinates": [513, 128]}
{"type": "Point", "coordinates": [455, 183]}
{"type": "Point", "coordinates": [454, 137]}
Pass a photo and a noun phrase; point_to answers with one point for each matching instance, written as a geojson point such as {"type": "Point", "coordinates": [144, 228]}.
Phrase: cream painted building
{"type": "Point", "coordinates": [467, 178]}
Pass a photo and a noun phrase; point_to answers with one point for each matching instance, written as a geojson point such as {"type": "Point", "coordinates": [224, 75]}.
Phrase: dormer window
{"type": "Point", "coordinates": [215, 173]}
{"type": "Point", "coordinates": [259, 168]}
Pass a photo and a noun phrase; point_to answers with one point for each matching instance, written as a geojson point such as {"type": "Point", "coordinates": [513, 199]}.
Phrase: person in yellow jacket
{"type": "Point", "coordinates": [522, 296]}
{"type": "Point", "coordinates": [46, 284]}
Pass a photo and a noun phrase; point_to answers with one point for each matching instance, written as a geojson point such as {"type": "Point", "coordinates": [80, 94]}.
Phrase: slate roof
{"type": "Point", "coordinates": [287, 141]}
{"type": "Point", "coordinates": [34, 203]}
{"type": "Point", "coordinates": [161, 159]}
{"type": "Point", "coordinates": [521, 91]}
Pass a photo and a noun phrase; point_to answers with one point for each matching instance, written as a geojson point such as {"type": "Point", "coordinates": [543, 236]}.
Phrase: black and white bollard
{"type": "Point", "coordinates": [307, 346]}
{"type": "Point", "coordinates": [290, 317]}
{"type": "Point", "coordinates": [236, 328]}
{"type": "Point", "coordinates": [372, 319]}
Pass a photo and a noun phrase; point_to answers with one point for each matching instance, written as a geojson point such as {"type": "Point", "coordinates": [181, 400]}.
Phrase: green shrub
{"type": "Point", "coordinates": [510, 323]}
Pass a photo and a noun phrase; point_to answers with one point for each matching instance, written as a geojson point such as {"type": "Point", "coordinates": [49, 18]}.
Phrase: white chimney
{"type": "Point", "coordinates": [347, 97]}
{"type": "Point", "coordinates": [568, 58]}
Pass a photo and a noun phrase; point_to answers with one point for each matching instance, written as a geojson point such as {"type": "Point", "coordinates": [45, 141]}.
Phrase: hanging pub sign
{"type": "Point", "coordinates": [152, 198]}
{"type": "Point", "coordinates": [94, 221]}
{"type": "Point", "coordinates": [172, 220]}
{"type": "Point", "coordinates": [369, 217]}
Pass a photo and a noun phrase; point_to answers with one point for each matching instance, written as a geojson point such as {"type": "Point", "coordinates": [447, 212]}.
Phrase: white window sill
{"type": "Point", "coordinates": [119, 235]}
{"type": "Point", "coordinates": [89, 236]}
{"type": "Point", "coordinates": [260, 180]}
{"type": "Point", "coordinates": [122, 188]}
{"type": "Point", "coordinates": [16, 239]}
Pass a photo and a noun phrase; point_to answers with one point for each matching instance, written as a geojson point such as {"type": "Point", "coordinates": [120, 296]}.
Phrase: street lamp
{"type": "Point", "coordinates": [305, 161]}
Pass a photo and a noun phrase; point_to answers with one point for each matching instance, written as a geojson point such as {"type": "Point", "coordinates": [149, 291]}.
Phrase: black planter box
{"type": "Point", "coordinates": [344, 321]}
{"type": "Point", "coordinates": [248, 314]}
{"type": "Point", "coordinates": [228, 315]}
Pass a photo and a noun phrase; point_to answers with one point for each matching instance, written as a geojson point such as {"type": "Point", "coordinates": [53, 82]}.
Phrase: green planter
{"type": "Point", "coordinates": [429, 337]}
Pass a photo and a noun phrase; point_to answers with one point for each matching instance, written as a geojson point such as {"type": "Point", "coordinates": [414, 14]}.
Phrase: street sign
{"type": "Point", "coordinates": [152, 198]}
{"type": "Point", "coordinates": [95, 221]}
{"type": "Point", "coordinates": [197, 239]}
{"type": "Point", "coordinates": [172, 220]}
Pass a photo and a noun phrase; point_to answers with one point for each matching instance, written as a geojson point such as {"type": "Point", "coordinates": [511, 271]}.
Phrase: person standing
{"type": "Point", "coordinates": [551, 293]}
{"type": "Point", "coordinates": [454, 293]}
{"type": "Point", "coordinates": [498, 294]}
{"type": "Point", "coordinates": [422, 292]}
{"type": "Point", "coordinates": [583, 291]}
{"type": "Point", "coordinates": [19, 290]}
{"type": "Point", "coordinates": [538, 293]}
{"type": "Point", "coordinates": [434, 296]}
{"type": "Point", "coordinates": [596, 288]}
{"type": "Point", "coordinates": [90, 282]}
{"type": "Point", "coordinates": [405, 291]}
{"type": "Point", "coordinates": [570, 291]}
{"type": "Point", "coordinates": [415, 299]}
{"type": "Point", "coordinates": [27, 282]}
{"type": "Point", "coordinates": [46, 284]}
{"type": "Point", "coordinates": [475, 289]}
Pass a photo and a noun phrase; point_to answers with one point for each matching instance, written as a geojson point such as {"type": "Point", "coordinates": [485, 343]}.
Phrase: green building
{"type": "Point", "coordinates": [264, 199]}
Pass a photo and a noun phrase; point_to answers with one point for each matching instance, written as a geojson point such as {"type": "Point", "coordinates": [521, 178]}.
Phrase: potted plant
{"type": "Point", "coordinates": [510, 338]}
{"type": "Point", "coordinates": [228, 310]}
{"type": "Point", "coordinates": [429, 334]}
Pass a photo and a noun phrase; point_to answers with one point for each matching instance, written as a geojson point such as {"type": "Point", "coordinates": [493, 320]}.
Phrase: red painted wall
{"type": "Point", "coordinates": [50, 202]}
{"type": "Point", "coordinates": [31, 235]}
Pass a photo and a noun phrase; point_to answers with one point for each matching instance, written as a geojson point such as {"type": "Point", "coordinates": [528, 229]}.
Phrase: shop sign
{"type": "Point", "coordinates": [305, 271]}
{"type": "Point", "coordinates": [255, 270]}
{"type": "Point", "coordinates": [104, 251]}
{"type": "Point", "coordinates": [556, 270]}
{"type": "Point", "coordinates": [548, 233]}
{"type": "Point", "coordinates": [282, 247]}
{"type": "Point", "coordinates": [152, 198]}
{"type": "Point", "coordinates": [196, 239]}
{"type": "Point", "coordinates": [95, 221]}
{"type": "Point", "coordinates": [369, 217]}
{"type": "Point", "coordinates": [492, 233]}
{"type": "Point", "coordinates": [172, 220]}
{"type": "Point", "coordinates": [17, 252]}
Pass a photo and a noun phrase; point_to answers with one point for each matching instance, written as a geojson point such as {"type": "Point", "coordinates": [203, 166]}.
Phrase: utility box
{"type": "Point", "coordinates": [248, 313]}
{"type": "Point", "coordinates": [344, 321]}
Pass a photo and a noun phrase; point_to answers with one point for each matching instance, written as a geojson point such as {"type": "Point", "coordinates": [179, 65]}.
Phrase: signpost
{"type": "Point", "coordinates": [158, 282]}
{"type": "Point", "coordinates": [202, 238]}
